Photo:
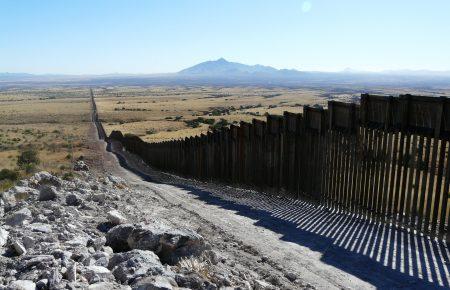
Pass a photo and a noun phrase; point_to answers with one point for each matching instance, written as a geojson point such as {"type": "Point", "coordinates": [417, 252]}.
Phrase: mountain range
{"type": "Point", "coordinates": [224, 68]}
{"type": "Point", "coordinates": [223, 72]}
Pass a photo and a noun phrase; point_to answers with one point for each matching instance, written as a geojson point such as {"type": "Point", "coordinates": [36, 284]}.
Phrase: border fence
{"type": "Point", "coordinates": [386, 159]}
{"type": "Point", "coordinates": [101, 131]}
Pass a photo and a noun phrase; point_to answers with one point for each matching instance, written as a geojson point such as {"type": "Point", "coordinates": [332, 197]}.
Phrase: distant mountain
{"type": "Point", "coordinates": [7, 75]}
{"type": "Point", "coordinates": [224, 68]}
{"type": "Point", "coordinates": [222, 72]}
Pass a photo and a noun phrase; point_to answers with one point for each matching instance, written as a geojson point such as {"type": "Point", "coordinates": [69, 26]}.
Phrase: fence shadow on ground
{"type": "Point", "coordinates": [395, 257]}
{"type": "Point", "coordinates": [384, 256]}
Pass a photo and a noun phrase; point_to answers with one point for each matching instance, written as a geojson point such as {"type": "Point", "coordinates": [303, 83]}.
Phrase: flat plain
{"type": "Point", "coordinates": [157, 114]}
{"type": "Point", "coordinates": [54, 121]}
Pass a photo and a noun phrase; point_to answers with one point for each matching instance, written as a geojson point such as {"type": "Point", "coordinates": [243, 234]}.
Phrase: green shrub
{"type": "Point", "coordinates": [192, 123]}
{"type": "Point", "coordinates": [68, 176]}
{"type": "Point", "coordinates": [5, 185]}
{"type": "Point", "coordinates": [7, 174]}
{"type": "Point", "coordinates": [220, 125]}
{"type": "Point", "coordinates": [28, 160]}
{"type": "Point", "coordinates": [29, 168]}
{"type": "Point", "coordinates": [196, 122]}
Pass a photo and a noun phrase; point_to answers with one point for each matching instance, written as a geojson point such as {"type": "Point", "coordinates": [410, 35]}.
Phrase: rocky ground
{"type": "Point", "coordinates": [85, 234]}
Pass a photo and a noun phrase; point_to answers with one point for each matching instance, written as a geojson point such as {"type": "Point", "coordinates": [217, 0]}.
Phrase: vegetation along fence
{"type": "Point", "coordinates": [386, 159]}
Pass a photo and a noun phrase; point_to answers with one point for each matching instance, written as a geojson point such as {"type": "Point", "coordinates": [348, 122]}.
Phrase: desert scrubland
{"type": "Point", "coordinates": [157, 114]}
{"type": "Point", "coordinates": [52, 121]}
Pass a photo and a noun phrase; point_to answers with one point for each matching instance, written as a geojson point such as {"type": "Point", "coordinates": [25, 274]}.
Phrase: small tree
{"type": "Point", "coordinates": [28, 160]}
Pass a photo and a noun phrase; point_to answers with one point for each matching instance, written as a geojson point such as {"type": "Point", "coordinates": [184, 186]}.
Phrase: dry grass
{"type": "Point", "coordinates": [54, 121]}
{"type": "Point", "coordinates": [154, 113]}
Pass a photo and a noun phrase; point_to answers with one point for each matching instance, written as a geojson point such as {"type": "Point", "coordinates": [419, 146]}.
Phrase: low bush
{"type": "Point", "coordinates": [28, 160]}
{"type": "Point", "coordinates": [222, 123]}
{"type": "Point", "coordinates": [7, 174]}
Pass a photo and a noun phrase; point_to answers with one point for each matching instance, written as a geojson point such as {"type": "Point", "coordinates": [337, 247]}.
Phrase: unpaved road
{"type": "Point", "coordinates": [274, 236]}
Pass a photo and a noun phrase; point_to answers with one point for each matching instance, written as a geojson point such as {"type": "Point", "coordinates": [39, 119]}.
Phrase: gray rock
{"type": "Point", "coordinates": [128, 266]}
{"type": "Point", "coordinates": [22, 192]}
{"type": "Point", "coordinates": [28, 242]}
{"type": "Point", "coordinates": [102, 261]}
{"type": "Point", "coordinates": [19, 248]}
{"type": "Point", "coordinates": [291, 276]}
{"type": "Point", "coordinates": [77, 241]}
{"type": "Point", "coordinates": [107, 286]}
{"type": "Point", "coordinates": [262, 285]}
{"type": "Point", "coordinates": [45, 178]}
{"type": "Point", "coordinates": [116, 180]}
{"type": "Point", "coordinates": [54, 278]}
{"type": "Point", "coordinates": [191, 281]}
{"type": "Point", "coordinates": [107, 250]}
{"type": "Point", "coordinates": [21, 285]}
{"type": "Point", "coordinates": [73, 200]}
{"type": "Point", "coordinates": [116, 218]}
{"type": "Point", "coordinates": [3, 236]}
{"type": "Point", "coordinates": [169, 244]}
{"type": "Point", "coordinates": [40, 227]}
{"type": "Point", "coordinates": [47, 193]}
{"type": "Point", "coordinates": [19, 218]}
{"type": "Point", "coordinates": [42, 284]}
{"type": "Point", "coordinates": [117, 237]}
{"type": "Point", "coordinates": [96, 243]}
{"type": "Point", "coordinates": [38, 261]}
{"type": "Point", "coordinates": [99, 197]}
{"type": "Point", "coordinates": [80, 166]}
{"type": "Point", "coordinates": [97, 274]}
{"type": "Point", "coordinates": [71, 273]}
{"type": "Point", "coordinates": [153, 283]}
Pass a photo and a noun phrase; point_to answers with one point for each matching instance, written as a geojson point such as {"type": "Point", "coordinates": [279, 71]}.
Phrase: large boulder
{"type": "Point", "coordinates": [47, 193]}
{"type": "Point", "coordinates": [169, 244]}
{"type": "Point", "coordinates": [45, 178]}
{"type": "Point", "coordinates": [128, 266]}
{"type": "Point", "coordinates": [117, 237]}
{"type": "Point", "coordinates": [19, 218]}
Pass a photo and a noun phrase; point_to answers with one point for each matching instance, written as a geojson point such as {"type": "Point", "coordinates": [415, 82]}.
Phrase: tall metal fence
{"type": "Point", "coordinates": [386, 159]}
{"type": "Point", "coordinates": [101, 131]}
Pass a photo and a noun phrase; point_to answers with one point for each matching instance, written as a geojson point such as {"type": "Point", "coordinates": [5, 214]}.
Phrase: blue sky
{"type": "Point", "coordinates": [151, 36]}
